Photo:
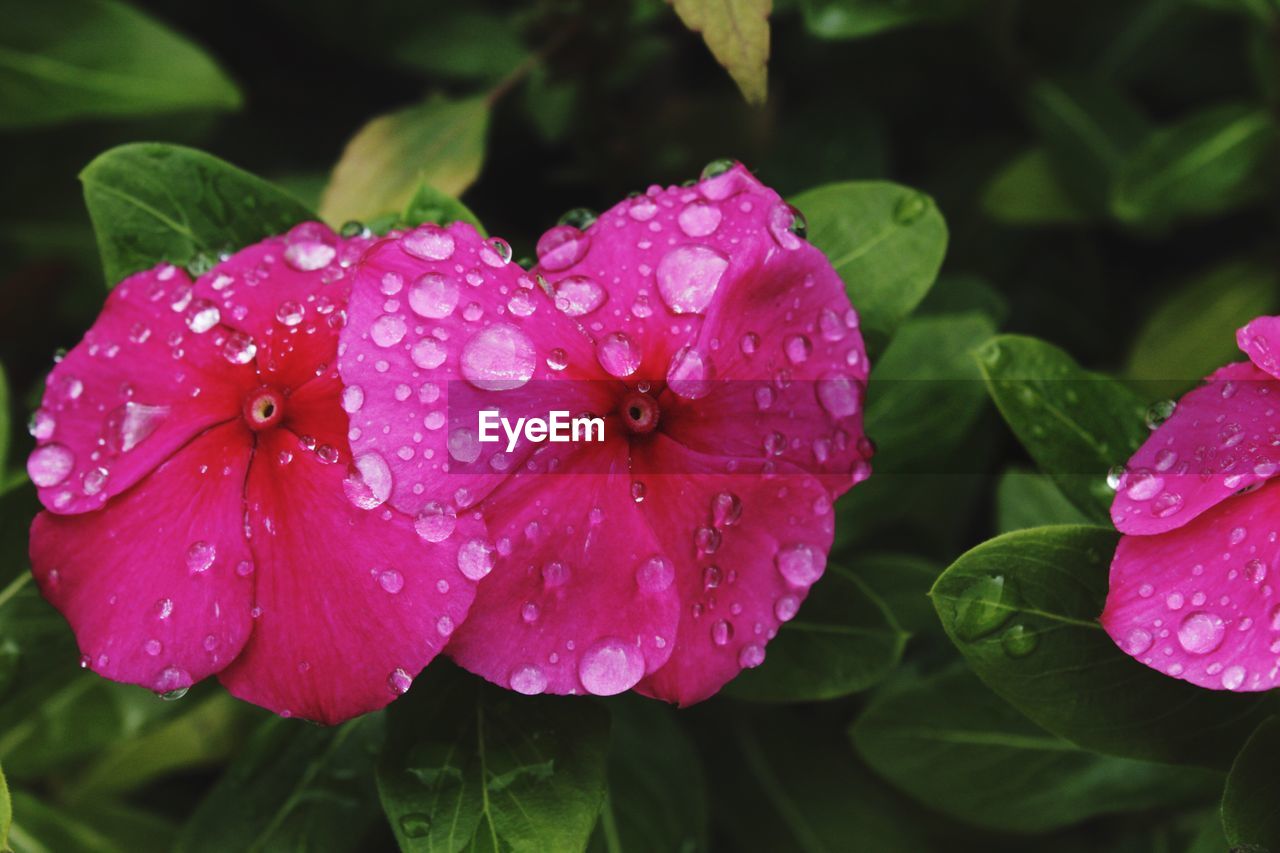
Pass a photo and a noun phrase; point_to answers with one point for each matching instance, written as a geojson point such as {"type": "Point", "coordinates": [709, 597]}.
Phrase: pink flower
{"type": "Point", "coordinates": [723, 355]}
{"type": "Point", "coordinates": [1193, 590]}
{"type": "Point", "coordinates": [204, 516]}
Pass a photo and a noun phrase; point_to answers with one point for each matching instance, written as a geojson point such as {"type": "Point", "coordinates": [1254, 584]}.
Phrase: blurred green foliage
{"type": "Point", "coordinates": [1016, 192]}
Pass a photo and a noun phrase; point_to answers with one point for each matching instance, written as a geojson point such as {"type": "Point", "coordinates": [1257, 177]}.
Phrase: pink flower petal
{"type": "Point", "coordinates": [148, 377]}
{"type": "Point", "coordinates": [441, 326]}
{"type": "Point", "coordinates": [790, 370]}
{"type": "Point", "coordinates": [157, 585]}
{"type": "Point", "coordinates": [747, 547]}
{"type": "Point", "coordinates": [1260, 340]}
{"type": "Point", "coordinates": [352, 603]}
{"type": "Point", "coordinates": [582, 596]}
{"type": "Point", "coordinates": [1198, 603]}
{"type": "Point", "coordinates": [1220, 439]}
{"type": "Point", "coordinates": [285, 296]}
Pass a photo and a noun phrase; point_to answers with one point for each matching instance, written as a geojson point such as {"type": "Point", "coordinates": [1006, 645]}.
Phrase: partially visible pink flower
{"type": "Point", "coordinates": [1193, 583]}
{"type": "Point", "coordinates": [723, 354]}
{"type": "Point", "coordinates": [204, 515]}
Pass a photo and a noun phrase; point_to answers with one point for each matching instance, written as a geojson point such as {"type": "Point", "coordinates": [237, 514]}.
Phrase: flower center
{"type": "Point", "coordinates": [639, 412]}
{"type": "Point", "coordinates": [264, 408]}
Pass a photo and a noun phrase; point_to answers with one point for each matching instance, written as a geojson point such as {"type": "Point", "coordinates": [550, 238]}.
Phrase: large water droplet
{"type": "Point", "coordinates": [428, 353]}
{"type": "Point", "coordinates": [200, 557]}
{"type": "Point", "coordinates": [983, 607]}
{"type": "Point", "coordinates": [436, 521]}
{"type": "Point", "coordinates": [562, 247]}
{"type": "Point", "coordinates": [610, 667]}
{"type": "Point", "coordinates": [689, 375]}
{"type": "Point", "coordinates": [840, 395]}
{"type": "Point", "coordinates": [50, 464]}
{"type": "Point", "coordinates": [476, 558]}
{"type": "Point", "coordinates": [498, 358]}
{"type": "Point", "coordinates": [131, 424]}
{"type": "Point", "coordinates": [433, 296]}
{"type": "Point", "coordinates": [801, 565]}
{"type": "Point", "coordinates": [688, 277]}
{"type": "Point", "coordinates": [699, 218]}
{"type": "Point", "coordinates": [368, 483]}
{"type": "Point", "coordinates": [529, 680]}
{"type": "Point", "coordinates": [655, 574]}
{"type": "Point", "coordinates": [429, 242]}
{"type": "Point", "coordinates": [576, 295]}
{"type": "Point", "coordinates": [1201, 633]}
{"type": "Point", "coordinates": [388, 330]}
{"type": "Point", "coordinates": [618, 355]}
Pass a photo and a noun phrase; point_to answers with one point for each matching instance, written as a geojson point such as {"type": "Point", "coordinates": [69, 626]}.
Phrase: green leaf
{"type": "Point", "coordinates": [851, 19]}
{"type": "Point", "coordinates": [844, 640]}
{"type": "Point", "coordinates": [1028, 499]}
{"type": "Point", "coordinates": [294, 786]}
{"type": "Point", "coordinates": [1088, 128]}
{"type": "Point", "coordinates": [1251, 801]}
{"type": "Point", "coordinates": [6, 812]}
{"type": "Point", "coordinates": [901, 582]}
{"type": "Point", "coordinates": [430, 205]}
{"type": "Point", "coordinates": [955, 746]}
{"type": "Point", "coordinates": [1023, 609]}
{"type": "Point", "coordinates": [657, 795]}
{"type": "Point", "coordinates": [737, 34]}
{"type": "Point", "coordinates": [783, 783]}
{"type": "Point", "coordinates": [1192, 332]}
{"type": "Point", "coordinates": [438, 142]}
{"type": "Point", "coordinates": [72, 59]}
{"type": "Point", "coordinates": [1027, 191]}
{"type": "Point", "coordinates": [925, 390]}
{"type": "Point", "coordinates": [151, 203]}
{"type": "Point", "coordinates": [205, 733]}
{"type": "Point", "coordinates": [93, 827]}
{"type": "Point", "coordinates": [469, 765]}
{"type": "Point", "coordinates": [1205, 164]}
{"type": "Point", "coordinates": [887, 243]}
{"type": "Point", "coordinates": [1075, 424]}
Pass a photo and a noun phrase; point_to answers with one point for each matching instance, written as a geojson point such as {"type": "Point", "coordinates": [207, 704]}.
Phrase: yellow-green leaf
{"type": "Point", "coordinates": [737, 33]}
{"type": "Point", "coordinates": [439, 142]}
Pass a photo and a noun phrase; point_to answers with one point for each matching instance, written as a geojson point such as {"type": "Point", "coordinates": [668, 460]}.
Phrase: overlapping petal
{"type": "Point", "coordinates": [1223, 437]}
{"type": "Point", "coordinates": [151, 374]}
{"type": "Point", "coordinates": [158, 584]}
{"type": "Point", "coordinates": [350, 604]}
{"type": "Point", "coordinates": [1198, 602]}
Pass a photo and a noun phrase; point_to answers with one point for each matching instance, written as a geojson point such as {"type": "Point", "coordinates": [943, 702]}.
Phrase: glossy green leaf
{"type": "Point", "coordinates": [63, 60]}
{"type": "Point", "coordinates": [887, 243]}
{"type": "Point", "coordinates": [849, 19]}
{"type": "Point", "coordinates": [1088, 128]}
{"type": "Point", "coordinates": [1075, 424]}
{"type": "Point", "coordinates": [94, 827]}
{"type": "Point", "coordinates": [657, 794]}
{"type": "Point", "coordinates": [152, 203]}
{"type": "Point", "coordinates": [1023, 609]}
{"type": "Point", "coordinates": [294, 786]}
{"type": "Point", "coordinates": [440, 142]}
{"type": "Point", "coordinates": [1205, 164]}
{"type": "Point", "coordinates": [1027, 191]}
{"type": "Point", "coordinates": [1192, 332]}
{"type": "Point", "coordinates": [1251, 801]}
{"type": "Point", "coordinates": [431, 205]}
{"type": "Point", "coordinates": [925, 391]}
{"type": "Point", "coordinates": [954, 745]}
{"type": "Point", "coordinates": [843, 640]}
{"type": "Point", "coordinates": [470, 766]}
{"type": "Point", "coordinates": [737, 34]}
{"type": "Point", "coordinates": [1030, 499]}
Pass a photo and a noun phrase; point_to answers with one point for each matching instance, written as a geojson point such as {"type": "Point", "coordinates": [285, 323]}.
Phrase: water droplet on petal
{"type": "Point", "coordinates": [368, 483]}
{"type": "Point", "coordinates": [576, 295]}
{"type": "Point", "coordinates": [618, 355]}
{"type": "Point", "coordinates": [429, 242]}
{"type": "Point", "coordinates": [688, 277]}
{"type": "Point", "coordinates": [476, 558]}
{"type": "Point", "coordinates": [1201, 633]}
{"type": "Point", "coordinates": [562, 247]}
{"type": "Point", "coordinates": [399, 681]}
{"type": "Point", "coordinates": [655, 574]}
{"type": "Point", "coordinates": [699, 218]}
{"type": "Point", "coordinates": [529, 680]}
{"type": "Point", "coordinates": [499, 358]}
{"type": "Point", "coordinates": [800, 565]}
{"type": "Point", "coordinates": [388, 330]}
{"type": "Point", "coordinates": [688, 375]}
{"type": "Point", "coordinates": [610, 666]}
{"type": "Point", "coordinates": [433, 296]}
{"type": "Point", "coordinates": [50, 464]}
{"type": "Point", "coordinates": [200, 557]}
{"type": "Point", "coordinates": [436, 521]}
